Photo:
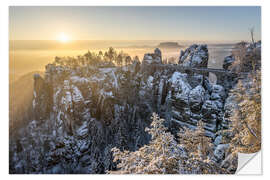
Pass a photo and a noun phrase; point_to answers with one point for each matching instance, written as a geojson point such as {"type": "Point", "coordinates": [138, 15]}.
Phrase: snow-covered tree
{"type": "Point", "coordinates": [163, 155]}
{"type": "Point", "coordinates": [160, 156]}
{"type": "Point", "coordinates": [199, 152]}
{"type": "Point", "coordinates": [246, 119]}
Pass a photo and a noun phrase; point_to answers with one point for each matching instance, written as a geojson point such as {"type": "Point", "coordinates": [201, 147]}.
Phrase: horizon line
{"type": "Point", "coordinates": [169, 40]}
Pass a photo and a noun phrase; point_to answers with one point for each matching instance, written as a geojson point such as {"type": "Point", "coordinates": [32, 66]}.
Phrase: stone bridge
{"type": "Point", "coordinates": [221, 74]}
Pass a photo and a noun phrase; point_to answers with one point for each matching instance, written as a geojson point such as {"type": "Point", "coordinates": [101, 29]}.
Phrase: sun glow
{"type": "Point", "coordinates": [63, 38]}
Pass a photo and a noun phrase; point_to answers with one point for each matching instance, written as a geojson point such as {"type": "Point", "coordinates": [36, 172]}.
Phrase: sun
{"type": "Point", "coordinates": [63, 38]}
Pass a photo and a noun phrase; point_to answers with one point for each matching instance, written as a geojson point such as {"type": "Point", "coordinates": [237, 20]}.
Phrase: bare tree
{"type": "Point", "coordinates": [251, 30]}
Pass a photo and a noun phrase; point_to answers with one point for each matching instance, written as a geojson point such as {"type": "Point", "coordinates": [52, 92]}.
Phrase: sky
{"type": "Point", "coordinates": [134, 23]}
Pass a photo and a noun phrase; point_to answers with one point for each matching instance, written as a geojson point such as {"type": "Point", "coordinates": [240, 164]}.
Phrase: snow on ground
{"type": "Point", "coordinates": [77, 79]}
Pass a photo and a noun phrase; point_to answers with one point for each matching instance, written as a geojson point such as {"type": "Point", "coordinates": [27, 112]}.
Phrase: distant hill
{"type": "Point", "coordinates": [169, 45]}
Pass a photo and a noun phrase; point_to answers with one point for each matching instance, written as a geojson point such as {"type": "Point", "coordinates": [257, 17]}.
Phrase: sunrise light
{"type": "Point", "coordinates": [63, 38]}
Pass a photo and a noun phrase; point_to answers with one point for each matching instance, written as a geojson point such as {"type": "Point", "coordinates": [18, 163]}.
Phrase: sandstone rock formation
{"type": "Point", "coordinates": [152, 58]}
{"type": "Point", "coordinates": [194, 56]}
{"type": "Point", "coordinates": [245, 58]}
{"type": "Point", "coordinates": [81, 113]}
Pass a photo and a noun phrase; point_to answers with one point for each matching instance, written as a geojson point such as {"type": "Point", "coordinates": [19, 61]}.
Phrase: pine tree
{"type": "Point", "coordinates": [163, 155]}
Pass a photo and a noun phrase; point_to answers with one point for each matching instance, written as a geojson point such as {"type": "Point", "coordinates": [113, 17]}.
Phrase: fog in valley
{"type": "Point", "coordinates": [28, 56]}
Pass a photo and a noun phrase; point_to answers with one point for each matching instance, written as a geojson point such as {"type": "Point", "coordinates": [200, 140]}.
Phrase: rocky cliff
{"type": "Point", "coordinates": [81, 113]}
{"type": "Point", "coordinates": [244, 58]}
{"type": "Point", "coordinates": [194, 56]}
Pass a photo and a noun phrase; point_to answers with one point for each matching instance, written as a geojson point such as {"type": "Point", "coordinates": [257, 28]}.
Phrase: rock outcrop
{"type": "Point", "coordinates": [245, 58]}
{"type": "Point", "coordinates": [195, 56]}
{"type": "Point", "coordinates": [152, 58]}
{"type": "Point", "coordinates": [81, 113]}
{"type": "Point", "coordinates": [228, 60]}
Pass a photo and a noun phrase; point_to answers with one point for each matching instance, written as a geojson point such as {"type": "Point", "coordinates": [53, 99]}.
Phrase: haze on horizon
{"type": "Point", "coordinates": [228, 24]}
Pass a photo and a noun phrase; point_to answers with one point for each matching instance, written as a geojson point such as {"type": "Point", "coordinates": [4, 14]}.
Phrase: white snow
{"type": "Point", "coordinates": [198, 90]}
{"type": "Point", "coordinates": [180, 85]}
{"type": "Point", "coordinates": [150, 81]}
{"type": "Point", "coordinates": [96, 78]}
{"type": "Point", "coordinates": [115, 80]}
{"type": "Point", "coordinates": [105, 94]}
{"type": "Point", "coordinates": [34, 103]}
{"type": "Point", "coordinates": [148, 57]}
{"type": "Point", "coordinates": [76, 94]}
{"type": "Point", "coordinates": [55, 96]}
{"type": "Point", "coordinates": [180, 80]}
{"type": "Point", "coordinates": [77, 79]}
{"type": "Point", "coordinates": [196, 59]}
{"type": "Point", "coordinates": [106, 70]}
{"type": "Point", "coordinates": [83, 129]}
{"type": "Point", "coordinates": [66, 100]}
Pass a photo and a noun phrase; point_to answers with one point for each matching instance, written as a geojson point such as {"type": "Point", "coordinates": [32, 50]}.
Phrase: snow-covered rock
{"type": "Point", "coordinates": [152, 58]}
{"type": "Point", "coordinates": [194, 56]}
{"type": "Point", "coordinates": [228, 60]}
{"type": "Point", "coordinates": [218, 92]}
{"type": "Point", "coordinates": [220, 151]}
{"type": "Point", "coordinates": [180, 85]}
{"type": "Point", "coordinates": [81, 113]}
{"type": "Point", "coordinates": [248, 57]}
{"type": "Point", "coordinates": [196, 98]}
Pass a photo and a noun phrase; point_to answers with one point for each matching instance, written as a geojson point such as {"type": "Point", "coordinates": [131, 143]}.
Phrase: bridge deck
{"type": "Point", "coordinates": [212, 70]}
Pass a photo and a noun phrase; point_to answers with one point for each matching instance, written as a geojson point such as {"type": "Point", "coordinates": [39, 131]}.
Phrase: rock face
{"type": "Point", "coordinates": [228, 60]}
{"type": "Point", "coordinates": [152, 58]}
{"type": "Point", "coordinates": [81, 113]}
{"type": "Point", "coordinates": [244, 58]}
{"type": "Point", "coordinates": [248, 53]}
{"type": "Point", "coordinates": [195, 56]}
{"type": "Point", "coordinates": [40, 97]}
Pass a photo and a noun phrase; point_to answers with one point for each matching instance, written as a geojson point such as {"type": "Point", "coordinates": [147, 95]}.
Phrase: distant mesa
{"type": "Point", "coordinates": [169, 45]}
